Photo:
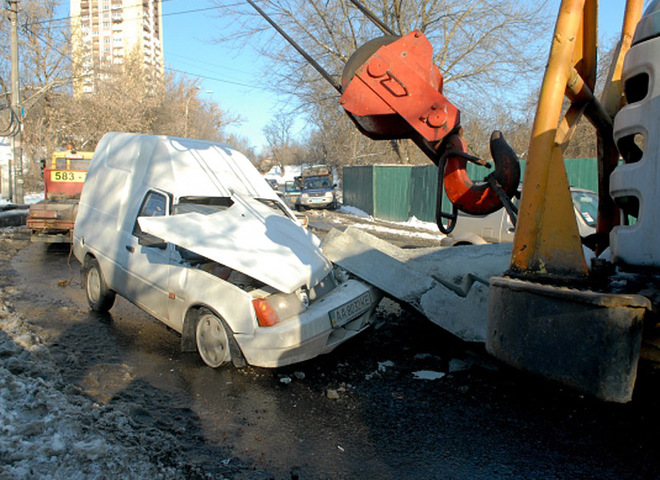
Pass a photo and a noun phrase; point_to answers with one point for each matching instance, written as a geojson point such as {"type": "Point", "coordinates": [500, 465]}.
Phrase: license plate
{"type": "Point", "coordinates": [348, 311]}
{"type": "Point", "coordinates": [67, 176]}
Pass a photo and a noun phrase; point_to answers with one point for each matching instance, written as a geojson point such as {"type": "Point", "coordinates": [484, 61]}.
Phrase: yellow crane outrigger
{"type": "Point", "coordinates": [545, 315]}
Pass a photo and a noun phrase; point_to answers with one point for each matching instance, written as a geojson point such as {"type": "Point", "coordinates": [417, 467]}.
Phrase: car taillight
{"type": "Point", "coordinates": [266, 314]}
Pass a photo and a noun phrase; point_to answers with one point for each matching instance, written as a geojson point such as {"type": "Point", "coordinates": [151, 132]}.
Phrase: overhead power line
{"type": "Point", "coordinates": [69, 17]}
{"type": "Point", "coordinates": [207, 77]}
{"type": "Point", "coordinates": [175, 70]}
{"type": "Point", "coordinates": [170, 14]}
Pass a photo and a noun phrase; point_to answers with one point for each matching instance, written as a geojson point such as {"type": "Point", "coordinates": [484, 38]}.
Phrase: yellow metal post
{"type": "Point", "coordinates": [588, 340]}
{"type": "Point", "coordinates": [547, 241]}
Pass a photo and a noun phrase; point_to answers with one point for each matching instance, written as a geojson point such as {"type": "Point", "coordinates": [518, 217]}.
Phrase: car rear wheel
{"type": "Point", "coordinates": [99, 297]}
{"type": "Point", "coordinates": [212, 340]}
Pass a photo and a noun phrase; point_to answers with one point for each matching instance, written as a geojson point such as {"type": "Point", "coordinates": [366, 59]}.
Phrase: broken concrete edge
{"type": "Point", "coordinates": [586, 340]}
{"type": "Point", "coordinates": [375, 266]}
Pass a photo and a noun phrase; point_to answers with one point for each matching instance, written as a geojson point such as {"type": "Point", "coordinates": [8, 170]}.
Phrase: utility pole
{"type": "Point", "coordinates": [17, 148]}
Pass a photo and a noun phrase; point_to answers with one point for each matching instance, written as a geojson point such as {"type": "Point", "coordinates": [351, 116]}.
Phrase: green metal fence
{"type": "Point", "coordinates": [398, 192]}
{"type": "Point", "coordinates": [358, 187]}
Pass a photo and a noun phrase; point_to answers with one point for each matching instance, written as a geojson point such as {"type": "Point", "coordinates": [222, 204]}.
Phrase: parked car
{"type": "Point", "coordinates": [292, 193]}
{"type": "Point", "coordinates": [273, 184]}
{"type": "Point", "coordinates": [317, 189]}
{"type": "Point", "coordinates": [497, 227]}
{"type": "Point", "coordinates": [191, 233]}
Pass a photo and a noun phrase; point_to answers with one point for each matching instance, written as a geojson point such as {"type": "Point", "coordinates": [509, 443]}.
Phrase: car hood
{"type": "Point", "coordinates": [251, 238]}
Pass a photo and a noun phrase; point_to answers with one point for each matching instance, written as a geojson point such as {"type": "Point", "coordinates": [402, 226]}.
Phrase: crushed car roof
{"type": "Point", "coordinates": [249, 237]}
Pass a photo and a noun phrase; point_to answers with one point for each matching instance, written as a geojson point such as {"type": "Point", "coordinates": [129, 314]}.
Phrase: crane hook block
{"type": "Point", "coordinates": [392, 89]}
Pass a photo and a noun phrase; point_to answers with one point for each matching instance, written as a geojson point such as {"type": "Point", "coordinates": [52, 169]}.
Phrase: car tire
{"type": "Point", "coordinates": [212, 339]}
{"type": "Point", "coordinates": [99, 296]}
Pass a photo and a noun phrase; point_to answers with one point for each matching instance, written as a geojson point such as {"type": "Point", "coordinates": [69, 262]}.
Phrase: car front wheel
{"type": "Point", "coordinates": [212, 340]}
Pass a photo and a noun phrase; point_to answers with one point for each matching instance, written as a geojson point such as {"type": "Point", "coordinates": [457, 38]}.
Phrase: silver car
{"type": "Point", "coordinates": [497, 227]}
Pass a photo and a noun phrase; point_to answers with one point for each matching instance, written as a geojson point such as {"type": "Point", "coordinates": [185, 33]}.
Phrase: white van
{"type": "Point", "coordinates": [191, 233]}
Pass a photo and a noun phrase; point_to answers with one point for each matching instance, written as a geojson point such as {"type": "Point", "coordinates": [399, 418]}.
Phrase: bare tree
{"type": "Point", "coordinates": [186, 114]}
{"type": "Point", "coordinates": [482, 47]}
{"type": "Point", "coordinates": [44, 73]}
{"type": "Point", "coordinates": [279, 137]}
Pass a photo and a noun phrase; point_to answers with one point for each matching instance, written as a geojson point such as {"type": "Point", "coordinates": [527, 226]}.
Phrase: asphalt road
{"type": "Point", "coordinates": [357, 413]}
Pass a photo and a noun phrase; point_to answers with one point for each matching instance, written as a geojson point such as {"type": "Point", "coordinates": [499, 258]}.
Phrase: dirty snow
{"type": "Point", "coordinates": [356, 212]}
{"type": "Point", "coordinates": [48, 429]}
{"type": "Point", "coordinates": [411, 222]}
{"type": "Point", "coordinates": [383, 366]}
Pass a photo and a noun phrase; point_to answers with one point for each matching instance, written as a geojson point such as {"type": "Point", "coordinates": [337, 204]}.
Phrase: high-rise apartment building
{"type": "Point", "coordinates": [105, 32]}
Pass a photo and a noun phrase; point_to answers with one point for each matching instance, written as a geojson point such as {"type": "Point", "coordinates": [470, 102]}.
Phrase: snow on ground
{"type": "Point", "coordinates": [356, 212]}
{"type": "Point", "coordinates": [283, 174]}
{"type": "Point", "coordinates": [28, 198]}
{"type": "Point", "coordinates": [430, 229]}
{"type": "Point", "coordinates": [399, 232]}
{"type": "Point", "coordinates": [48, 429]}
{"type": "Point", "coordinates": [417, 223]}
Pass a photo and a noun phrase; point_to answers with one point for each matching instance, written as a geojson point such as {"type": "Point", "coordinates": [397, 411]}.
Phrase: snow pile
{"type": "Point", "coordinates": [49, 430]}
{"type": "Point", "coordinates": [430, 230]}
{"type": "Point", "coordinates": [398, 231]}
{"type": "Point", "coordinates": [283, 174]}
{"type": "Point", "coordinates": [356, 212]}
{"type": "Point", "coordinates": [421, 224]}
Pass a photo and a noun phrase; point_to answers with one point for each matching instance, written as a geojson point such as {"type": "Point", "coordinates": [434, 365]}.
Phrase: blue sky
{"type": "Point", "coordinates": [235, 77]}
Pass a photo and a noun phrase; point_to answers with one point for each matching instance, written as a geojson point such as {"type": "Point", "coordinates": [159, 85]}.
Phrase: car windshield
{"type": "Point", "coordinates": [586, 204]}
{"type": "Point", "coordinates": [318, 182]}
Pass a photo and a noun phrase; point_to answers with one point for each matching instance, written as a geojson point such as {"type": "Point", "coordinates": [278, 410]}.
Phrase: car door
{"type": "Point", "coordinates": [148, 258]}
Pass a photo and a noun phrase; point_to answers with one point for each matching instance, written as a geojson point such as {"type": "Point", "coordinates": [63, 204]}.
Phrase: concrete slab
{"type": "Point", "coordinates": [449, 285]}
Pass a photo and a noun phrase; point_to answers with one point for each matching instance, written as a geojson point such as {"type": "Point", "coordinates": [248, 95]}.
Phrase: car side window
{"type": "Point", "coordinates": [153, 205]}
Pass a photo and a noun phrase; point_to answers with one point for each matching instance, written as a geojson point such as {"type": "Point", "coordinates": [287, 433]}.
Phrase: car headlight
{"type": "Point", "coordinates": [279, 306]}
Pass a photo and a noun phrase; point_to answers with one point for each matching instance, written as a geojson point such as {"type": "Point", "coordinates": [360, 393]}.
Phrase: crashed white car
{"type": "Point", "coordinates": [191, 233]}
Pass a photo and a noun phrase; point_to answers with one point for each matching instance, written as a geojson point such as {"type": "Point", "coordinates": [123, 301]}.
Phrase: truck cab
{"type": "Point", "coordinates": [317, 189]}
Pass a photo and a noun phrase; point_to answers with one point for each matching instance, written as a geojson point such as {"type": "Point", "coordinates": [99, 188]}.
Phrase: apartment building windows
{"type": "Point", "coordinates": [125, 26]}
